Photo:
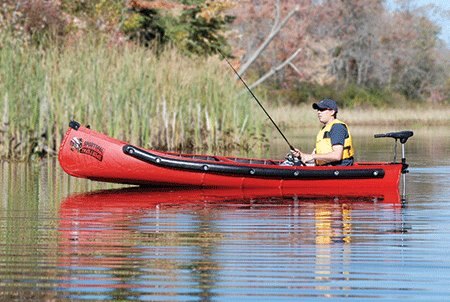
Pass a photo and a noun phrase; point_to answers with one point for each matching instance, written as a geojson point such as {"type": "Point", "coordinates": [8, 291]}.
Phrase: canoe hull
{"type": "Point", "coordinates": [88, 154]}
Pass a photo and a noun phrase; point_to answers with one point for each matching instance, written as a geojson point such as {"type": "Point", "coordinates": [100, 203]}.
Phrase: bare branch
{"type": "Point", "coordinates": [269, 38]}
{"type": "Point", "coordinates": [275, 70]}
{"type": "Point", "coordinates": [277, 16]}
{"type": "Point", "coordinates": [295, 68]}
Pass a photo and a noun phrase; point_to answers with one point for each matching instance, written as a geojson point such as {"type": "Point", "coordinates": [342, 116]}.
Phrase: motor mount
{"type": "Point", "coordinates": [403, 136]}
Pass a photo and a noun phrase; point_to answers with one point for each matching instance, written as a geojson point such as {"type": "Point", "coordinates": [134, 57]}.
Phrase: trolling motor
{"type": "Point", "coordinates": [403, 137]}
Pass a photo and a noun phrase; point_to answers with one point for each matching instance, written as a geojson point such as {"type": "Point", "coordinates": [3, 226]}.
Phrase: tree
{"type": "Point", "coordinates": [33, 20]}
{"type": "Point", "coordinates": [415, 68]}
{"type": "Point", "coordinates": [268, 34]}
{"type": "Point", "coordinates": [193, 26]}
{"type": "Point", "coordinates": [353, 26]}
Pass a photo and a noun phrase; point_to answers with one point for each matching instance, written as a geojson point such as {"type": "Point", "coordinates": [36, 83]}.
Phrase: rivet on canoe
{"type": "Point", "coordinates": [336, 173]}
{"type": "Point", "coordinates": [158, 160]}
{"type": "Point", "coordinates": [130, 151]}
{"type": "Point", "coordinates": [296, 173]}
{"type": "Point", "coordinates": [252, 171]}
{"type": "Point", "coordinates": [375, 173]}
{"type": "Point", "coordinates": [205, 167]}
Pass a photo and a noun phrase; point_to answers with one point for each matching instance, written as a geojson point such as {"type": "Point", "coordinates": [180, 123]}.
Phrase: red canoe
{"type": "Point", "coordinates": [88, 154]}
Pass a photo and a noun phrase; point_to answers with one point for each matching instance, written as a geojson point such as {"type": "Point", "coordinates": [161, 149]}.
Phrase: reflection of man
{"type": "Point", "coordinates": [333, 142]}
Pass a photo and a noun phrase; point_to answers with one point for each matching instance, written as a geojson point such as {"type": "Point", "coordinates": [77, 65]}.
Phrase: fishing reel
{"type": "Point", "coordinates": [292, 160]}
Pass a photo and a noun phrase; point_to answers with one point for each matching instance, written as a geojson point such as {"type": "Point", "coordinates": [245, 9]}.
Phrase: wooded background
{"type": "Point", "coordinates": [359, 51]}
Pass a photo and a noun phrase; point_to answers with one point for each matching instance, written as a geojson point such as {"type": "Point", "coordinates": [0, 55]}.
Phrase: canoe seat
{"type": "Point", "coordinates": [253, 161]}
{"type": "Point", "coordinates": [202, 157]}
{"type": "Point", "coordinates": [401, 135]}
{"type": "Point", "coordinates": [193, 156]}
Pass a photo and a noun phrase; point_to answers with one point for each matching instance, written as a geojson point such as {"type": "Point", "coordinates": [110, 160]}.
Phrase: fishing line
{"type": "Point", "coordinates": [259, 103]}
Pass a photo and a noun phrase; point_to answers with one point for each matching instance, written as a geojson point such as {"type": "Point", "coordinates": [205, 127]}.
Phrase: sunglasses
{"type": "Point", "coordinates": [324, 109]}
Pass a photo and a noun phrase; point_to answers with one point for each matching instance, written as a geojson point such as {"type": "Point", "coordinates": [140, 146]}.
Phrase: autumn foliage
{"type": "Point", "coordinates": [360, 45]}
{"type": "Point", "coordinates": [346, 44]}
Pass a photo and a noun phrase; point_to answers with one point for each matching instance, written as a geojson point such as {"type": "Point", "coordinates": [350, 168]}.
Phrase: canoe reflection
{"type": "Point", "coordinates": [160, 242]}
{"type": "Point", "coordinates": [150, 197]}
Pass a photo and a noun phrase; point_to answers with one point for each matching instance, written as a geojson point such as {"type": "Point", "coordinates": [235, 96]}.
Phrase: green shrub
{"type": "Point", "coordinates": [347, 96]}
{"type": "Point", "coordinates": [356, 96]}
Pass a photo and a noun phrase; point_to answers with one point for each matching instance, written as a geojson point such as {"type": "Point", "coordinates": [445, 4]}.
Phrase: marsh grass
{"type": "Point", "coordinates": [414, 115]}
{"type": "Point", "coordinates": [165, 101]}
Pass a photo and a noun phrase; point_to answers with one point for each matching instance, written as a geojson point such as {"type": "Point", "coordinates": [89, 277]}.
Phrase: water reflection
{"type": "Point", "coordinates": [153, 244]}
{"type": "Point", "coordinates": [210, 245]}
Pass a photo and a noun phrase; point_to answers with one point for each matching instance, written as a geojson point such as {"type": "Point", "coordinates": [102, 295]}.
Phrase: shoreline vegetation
{"type": "Point", "coordinates": [150, 73]}
{"type": "Point", "coordinates": [416, 115]}
{"type": "Point", "coordinates": [165, 101]}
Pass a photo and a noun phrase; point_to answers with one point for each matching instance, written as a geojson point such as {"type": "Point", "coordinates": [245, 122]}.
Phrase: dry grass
{"type": "Point", "coordinates": [164, 101]}
{"type": "Point", "coordinates": [304, 115]}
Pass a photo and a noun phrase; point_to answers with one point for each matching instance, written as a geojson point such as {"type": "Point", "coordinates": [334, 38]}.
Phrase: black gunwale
{"type": "Point", "coordinates": [248, 170]}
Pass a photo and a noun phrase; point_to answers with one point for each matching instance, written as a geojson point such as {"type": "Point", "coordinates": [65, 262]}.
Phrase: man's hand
{"type": "Point", "coordinates": [296, 153]}
{"type": "Point", "coordinates": [304, 157]}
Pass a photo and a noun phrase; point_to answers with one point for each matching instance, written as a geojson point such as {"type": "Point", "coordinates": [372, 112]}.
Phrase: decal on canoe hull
{"type": "Point", "coordinates": [87, 147]}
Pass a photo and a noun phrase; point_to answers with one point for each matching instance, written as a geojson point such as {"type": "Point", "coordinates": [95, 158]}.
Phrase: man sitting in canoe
{"type": "Point", "coordinates": [333, 143]}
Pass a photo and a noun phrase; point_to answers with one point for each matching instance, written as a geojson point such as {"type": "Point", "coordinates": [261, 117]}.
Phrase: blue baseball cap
{"type": "Point", "coordinates": [326, 104]}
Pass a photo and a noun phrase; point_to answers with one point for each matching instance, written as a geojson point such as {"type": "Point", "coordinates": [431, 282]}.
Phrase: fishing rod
{"type": "Point", "coordinates": [259, 103]}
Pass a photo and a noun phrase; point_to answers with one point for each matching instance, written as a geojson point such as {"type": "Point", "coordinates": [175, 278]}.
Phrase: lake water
{"type": "Point", "coordinates": [63, 239]}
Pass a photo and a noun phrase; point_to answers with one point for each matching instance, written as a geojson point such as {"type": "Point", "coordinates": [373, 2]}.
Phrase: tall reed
{"type": "Point", "coordinates": [165, 101]}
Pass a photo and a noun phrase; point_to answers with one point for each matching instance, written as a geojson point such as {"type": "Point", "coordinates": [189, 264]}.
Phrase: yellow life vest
{"type": "Point", "coordinates": [323, 142]}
